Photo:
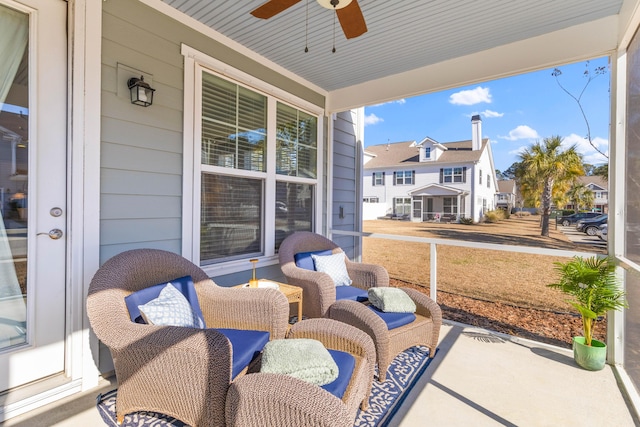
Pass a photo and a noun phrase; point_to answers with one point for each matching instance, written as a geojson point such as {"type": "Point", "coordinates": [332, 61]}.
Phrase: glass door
{"type": "Point", "coordinates": [33, 110]}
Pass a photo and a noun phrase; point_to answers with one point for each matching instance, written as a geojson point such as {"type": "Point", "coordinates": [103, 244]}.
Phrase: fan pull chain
{"type": "Point", "coordinates": [306, 31]}
{"type": "Point", "coordinates": [334, 33]}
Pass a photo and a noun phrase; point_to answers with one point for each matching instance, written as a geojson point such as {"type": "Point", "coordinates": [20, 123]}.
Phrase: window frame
{"type": "Point", "coordinates": [403, 203]}
{"type": "Point", "coordinates": [398, 173]}
{"type": "Point", "coordinates": [196, 63]}
{"type": "Point", "coordinates": [378, 176]}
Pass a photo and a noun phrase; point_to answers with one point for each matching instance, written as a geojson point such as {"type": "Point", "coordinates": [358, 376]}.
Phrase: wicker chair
{"type": "Point", "coordinates": [178, 371]}
{"type": "Point", "coordinates": [319, 300]}
{"type": "Point", "coordinates": [261, 399]}
{"type": "Point", "coordinates": [318, 289]}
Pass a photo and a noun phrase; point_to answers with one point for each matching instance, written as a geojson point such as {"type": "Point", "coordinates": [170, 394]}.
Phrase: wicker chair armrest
{"type": "Point", "coordinates": [367, 276]}
{"type": "Point", "coordinates": [158, 347]}
{"type": "Point", "coordinates": [257, 309]}
{"type": "Point", "coordinates": [425, 306]}
{"type": "Point", "coordinates": [319, 290]}
{"type": "Point", "coordinates": [262, 399]}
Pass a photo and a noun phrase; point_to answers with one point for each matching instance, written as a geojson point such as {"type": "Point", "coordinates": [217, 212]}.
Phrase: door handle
{"type": "Point", "coordinates": [54, 234]}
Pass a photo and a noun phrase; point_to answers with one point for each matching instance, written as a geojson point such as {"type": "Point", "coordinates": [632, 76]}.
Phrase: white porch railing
{"type": "Point", "coordinates": [434, 243]}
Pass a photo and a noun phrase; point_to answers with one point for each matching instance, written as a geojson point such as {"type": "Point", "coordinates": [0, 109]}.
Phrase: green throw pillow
{"type": "Point", "coordinates": [391, 300]}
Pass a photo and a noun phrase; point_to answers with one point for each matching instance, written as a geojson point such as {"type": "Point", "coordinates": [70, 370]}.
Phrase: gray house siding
{"type": "Point", "coordinates": [346, 182]}
{"type": "Point", "coordinates": [141, 153]}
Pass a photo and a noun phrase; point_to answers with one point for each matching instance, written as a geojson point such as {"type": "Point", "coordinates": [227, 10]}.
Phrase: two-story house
{"type": "Point", "coordinates": [506, 195]}
{"type": "Point", "coordinates": [432, 181]}
{"type": "Point", "coordinates": [600, 188]}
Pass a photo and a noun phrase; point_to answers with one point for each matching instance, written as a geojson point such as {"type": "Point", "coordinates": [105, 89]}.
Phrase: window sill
{"type": "Point", "coordinates": [238, 265]}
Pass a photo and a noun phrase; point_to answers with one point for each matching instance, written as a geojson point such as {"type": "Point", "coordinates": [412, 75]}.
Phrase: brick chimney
{"type": "Point", "coordinates": [476, 132]}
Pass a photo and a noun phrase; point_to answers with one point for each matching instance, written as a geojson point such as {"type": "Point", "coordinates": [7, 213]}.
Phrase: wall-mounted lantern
{"type": "Point", "coordinates": [141, 92]}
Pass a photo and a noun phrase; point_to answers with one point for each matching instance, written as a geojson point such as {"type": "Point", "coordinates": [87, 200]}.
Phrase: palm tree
{"type": "Point", "coordinates": [545, 167]}
{"type": "Point", "coordinates": [581, 195]}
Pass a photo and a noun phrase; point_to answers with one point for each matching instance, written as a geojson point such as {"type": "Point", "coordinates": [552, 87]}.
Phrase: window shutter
{"type": "Point", "coordinates": [441, 175]}
{"type": "Point", "coordinates": [464, 174]}
{"type": "Point", "coordinates": [394, 178]}
{"type": "Point", "coordinates": [383, 181]}
{"type": "Point", "coordinates": [413, 177]}
{"type": "Point", "coordinates": [373, 179]}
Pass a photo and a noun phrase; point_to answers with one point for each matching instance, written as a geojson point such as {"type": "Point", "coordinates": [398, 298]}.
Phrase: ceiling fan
{"type": "Point", "coordinates": [348, 11]}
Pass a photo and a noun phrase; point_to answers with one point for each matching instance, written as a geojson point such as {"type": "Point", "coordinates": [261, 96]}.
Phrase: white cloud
{"type": "Point", "coordinates": [372, 119]}
{"type": "Point", "coordinates": [518, 150]}
{"type": "Point", "coordinates": [397, 101]}
{"type": "Point", "coordinates": [590, 155]}
{"type": "Point", "coordinates": [471, 97]}
{"type": "Point", "coordinates": [521, 132]}
{"type": "Point", "coordinates": [491, 114]}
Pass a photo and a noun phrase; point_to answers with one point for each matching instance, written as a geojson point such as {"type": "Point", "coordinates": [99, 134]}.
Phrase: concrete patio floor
{"type": "Point", "coordinates": [478, 378]}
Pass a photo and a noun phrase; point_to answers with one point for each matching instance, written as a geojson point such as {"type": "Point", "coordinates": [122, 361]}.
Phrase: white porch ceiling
{"type": "Point", "coordinates": [409, 41]}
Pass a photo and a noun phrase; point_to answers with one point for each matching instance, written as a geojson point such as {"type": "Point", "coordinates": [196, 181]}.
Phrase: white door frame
{"type": "Point", "coordinates": [84, 40]}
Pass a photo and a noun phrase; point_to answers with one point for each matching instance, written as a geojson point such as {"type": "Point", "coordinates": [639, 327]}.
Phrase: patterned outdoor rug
{"type": "Point", "coordinates": [384, 401]}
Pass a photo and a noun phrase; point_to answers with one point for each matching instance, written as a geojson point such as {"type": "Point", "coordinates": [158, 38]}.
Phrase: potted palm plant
{"type": "Point", "coordinates": [593, 287]}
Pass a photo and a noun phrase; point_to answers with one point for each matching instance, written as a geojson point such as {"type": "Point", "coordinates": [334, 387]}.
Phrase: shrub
{"type": "Point", "coordinates": [521, 214]}
{"type": "Point", "coordinates": [494, 216]}
{"type": "Point", "coordinates": [466, 221]}
{"type": "Point", "coordinates": [507, 214]}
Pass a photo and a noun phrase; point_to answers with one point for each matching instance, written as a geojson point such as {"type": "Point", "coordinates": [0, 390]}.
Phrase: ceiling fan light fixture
{"type": "Point", "coordinates": [334, 4]}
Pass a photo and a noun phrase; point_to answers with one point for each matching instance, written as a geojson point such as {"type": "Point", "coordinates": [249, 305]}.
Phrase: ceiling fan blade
{"type": "Point", "coordinates": [352, 20]}
{"type": "Point", "coordinates": [272, 8]}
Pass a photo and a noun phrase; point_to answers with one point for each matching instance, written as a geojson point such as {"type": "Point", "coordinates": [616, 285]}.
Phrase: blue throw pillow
{"type": "Point", "coordinates": [334, 265]}
{"type": "Point", "coordinates": [304, 260]}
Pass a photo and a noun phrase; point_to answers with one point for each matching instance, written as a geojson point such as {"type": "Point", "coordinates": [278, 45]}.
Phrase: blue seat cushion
{"type": "Point", "coordinates": [304, 260]}
{"type": "Point", "coordinates": [143, 296]}
{"type": "Point", "coordinates": [245, 344]}
{"type": "Point", "coordinates": [346, 365]}
{"type": "Point", "coordinates": [351, 293]}
{"type": "Point", "coordinates": [393, 320]}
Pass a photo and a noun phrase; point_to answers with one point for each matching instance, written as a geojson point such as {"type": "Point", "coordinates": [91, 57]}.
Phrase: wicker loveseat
{"type": "Point", "coordinates": [268, 399]}
{"type": "Point", "coordinates": [178, 371]}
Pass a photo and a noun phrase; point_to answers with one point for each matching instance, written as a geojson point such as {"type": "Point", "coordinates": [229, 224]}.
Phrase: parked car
{"type": "Point", "coordinates": [572, 219]}
{"type": "Point", "coordinates": [590, 225]}
{"type": "Point", "coordinates": [603, 232]}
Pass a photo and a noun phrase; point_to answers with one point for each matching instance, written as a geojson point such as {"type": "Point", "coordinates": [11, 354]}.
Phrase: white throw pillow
{"type": "Point", "coordinates": [171, 308]}
{"type": "Point", "coordinates": [334, 265]}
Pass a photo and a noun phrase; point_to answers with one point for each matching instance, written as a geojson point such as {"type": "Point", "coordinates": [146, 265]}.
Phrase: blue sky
{"type": "Point", "coordinates": [516, 112]}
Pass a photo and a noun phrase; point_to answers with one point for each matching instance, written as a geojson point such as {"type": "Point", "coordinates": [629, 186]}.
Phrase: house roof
{"type": "Point", "coordinates": [594, 180]}
{"type": "Point", "coordinates": [507, 186]}
{"type": "Point", "coordinates": [427, 46]}
{"type": "Point", "coordinates": [406, 154]}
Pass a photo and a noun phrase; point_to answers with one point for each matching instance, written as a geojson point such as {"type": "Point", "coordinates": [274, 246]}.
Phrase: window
{"type": "Point", "coordinates": [453, 175]}
{"type": "Point", "coordinates": [427, 152]}
{"type": "Point", "coordinates": [403, 177]}
{"type": "Point", "coordinates": [598, 195]}
{"type": "Point", "coordinates": [480, 178]}
{"type": "Point", "coordinates": [248, 204]}
{"type": "Point", "coordinates": [371, 200]}
{"type": "Point", "coordinates": [402, 205]}
{"type": "Point", "coordinates": [488, 181]}
{"type": "Point", "coordinates": [378, 178]}
{"type": "Point", "coordinates": [450, 205]}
